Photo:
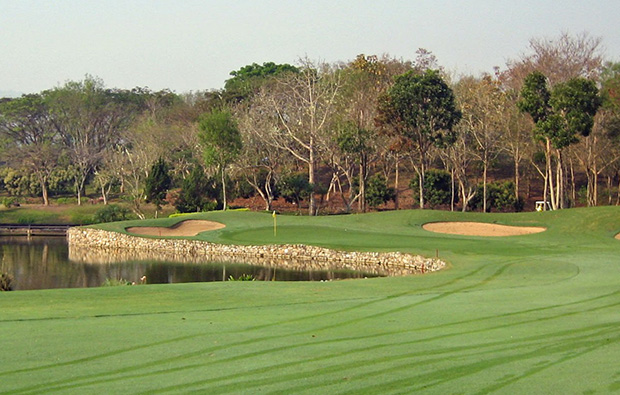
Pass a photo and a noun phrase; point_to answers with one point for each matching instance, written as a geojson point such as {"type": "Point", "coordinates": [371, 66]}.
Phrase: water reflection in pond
{"type": "Point", "coordinates": [43, 263]}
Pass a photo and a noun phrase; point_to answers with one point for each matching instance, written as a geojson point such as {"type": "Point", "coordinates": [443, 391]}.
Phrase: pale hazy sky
{"type": "Point", "coordinates": [187, 45]}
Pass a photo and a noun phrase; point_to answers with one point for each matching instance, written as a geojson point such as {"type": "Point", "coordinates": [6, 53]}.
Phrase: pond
{"type": "Point", "coordinates": [43, 263]}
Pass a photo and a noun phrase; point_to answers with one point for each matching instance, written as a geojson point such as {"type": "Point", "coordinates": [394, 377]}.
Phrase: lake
{"type": "Point", "coordinates": [43, 263]}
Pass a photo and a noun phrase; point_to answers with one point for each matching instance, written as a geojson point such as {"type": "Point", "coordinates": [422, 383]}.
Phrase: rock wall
{"type": "Point", "coordinates": [98, 246]}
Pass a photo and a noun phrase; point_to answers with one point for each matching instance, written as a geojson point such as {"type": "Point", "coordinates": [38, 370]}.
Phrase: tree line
{"type": "Point", "coordinates": [347, 131]}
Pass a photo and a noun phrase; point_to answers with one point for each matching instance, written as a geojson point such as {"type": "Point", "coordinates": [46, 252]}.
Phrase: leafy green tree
{"type": "Point", "coordinates": [378, 192]}
{"type": "Point", "coordinates": [197, 193]}
{"type": "Point", "coordinates": [30, 138]}
{"type": "Point", "coordinates": [90, 119]}
{"type": "Point", "coordinates": [560, 115]}
{"type": "Point", "coordinates": [608, 149]}
{"type": "Point", "coordinates": [365, 79]}
{"type": "Point", "coordinates": [221, 140]}
{"type": "Point", "coordinates": [421, 110]}
{"type": "Point", "coordinates": [355, 145]}
{"type": "Point", "coordinates": [501, 196]}
{"type": "Point", "coordinates": [248, 79]}
{"type": "Point", "coordinates": [157, 183]}
{"type": "Point", "coordinates": [295, 187]}
{"type": "Point", "coordinates": [438, 187]}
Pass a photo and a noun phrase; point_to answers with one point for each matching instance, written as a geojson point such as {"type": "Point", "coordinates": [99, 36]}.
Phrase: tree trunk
{"type": "Point", "coordinates": [363, 172]}
{"type": "Point", "coordinates": [517, 177]}
{"type": "Point", "coordinates": [80, 187]}
{"type": "Point", "coordinates": [421, 188]}
{"type": "Point", "coordinates": [549, 176]}
{"type": "Point", "coordinates": [559, 178]}
{"type": "Point", "coordinates": [595, 186]}
{"type": "Point", "coordinates": [452, 190]}
{"type": "Point", "coordinates": [484, 185]}
{"type": "Point", "coordinates": [396, 183]}
{"type": "Point", "coordinates": [311, 177]}
{"type": "Point", "coordinates": [44, 192]}
{"type": "Point", "coordinates": [223, 189]}
{"type": "Point", "coordinates": [618, 198]}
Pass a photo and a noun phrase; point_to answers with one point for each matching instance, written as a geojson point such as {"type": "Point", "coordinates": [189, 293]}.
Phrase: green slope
{"type": "Point", "coordinates": [525, 314]}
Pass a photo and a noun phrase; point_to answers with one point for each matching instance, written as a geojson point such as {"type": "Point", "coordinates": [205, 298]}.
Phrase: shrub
{"type": "Point", "coordinates": [6, 282]}
{"type": "Point", "coordinates": [243, 277]}
{"type": "Point", "coordinates": [295, 188]}
{"type": "Point", "coordinates": [9, 202]}
{"type": "Point", "coordinates": [111, 213]}
{"type": "Point", "coordinates": [377, 191]}
{"type": "Point", "coordinates": [82, 219]}
{"type": "Point", "coordinates": [500, 195]}
{"type": "Point", "coordinates": [27, 219]}
{"type": "Point", "coordinates": [66, 200]}
{"type": "Point", "coordinates": [198, 193]}
{"type": "Point", "coordinates": [158, 182]}
{"type": "Point", "coordinates": [115, 282]}
{"type": "Point", "coordinates": [437, 188]}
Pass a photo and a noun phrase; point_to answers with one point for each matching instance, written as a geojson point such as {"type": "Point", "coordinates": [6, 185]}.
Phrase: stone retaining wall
{"type": "Point", "coordinates": [99, 246]}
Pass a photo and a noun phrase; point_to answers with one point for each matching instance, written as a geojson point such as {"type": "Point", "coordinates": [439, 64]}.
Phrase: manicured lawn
{"type": "Point", "coordinates": [526, 314]}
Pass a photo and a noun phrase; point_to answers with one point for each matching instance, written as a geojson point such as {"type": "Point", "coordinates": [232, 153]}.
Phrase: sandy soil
{"type": "Point", "coordinates": [185, 228]}
{"type": "Point", "coordinates": [480, 229]}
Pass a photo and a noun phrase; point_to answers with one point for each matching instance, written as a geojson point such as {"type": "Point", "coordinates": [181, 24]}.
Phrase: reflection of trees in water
{"type": "Point", "coordinates": [171, 272]}
{"type": "Point", "coordinates": [37, 262]}
{"type": "Point", "coordinates": [46, 262]}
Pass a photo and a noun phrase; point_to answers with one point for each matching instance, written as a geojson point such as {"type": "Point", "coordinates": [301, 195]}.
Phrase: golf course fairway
{"type": "Point", "coordinates": [529, 314]}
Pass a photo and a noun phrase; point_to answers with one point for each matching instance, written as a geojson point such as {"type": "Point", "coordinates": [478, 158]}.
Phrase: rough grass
{"type": "Point", "coordinates": [525, 314]}
{"type": "Point", "coordinates": [62, 213]}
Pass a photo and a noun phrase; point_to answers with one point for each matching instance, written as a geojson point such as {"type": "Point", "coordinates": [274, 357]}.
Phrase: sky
{"type": "Point", "coordinates": [191, 45]}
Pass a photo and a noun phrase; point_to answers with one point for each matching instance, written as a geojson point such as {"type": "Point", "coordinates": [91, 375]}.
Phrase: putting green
{"type": "Point", "coordinates": [534, 313]}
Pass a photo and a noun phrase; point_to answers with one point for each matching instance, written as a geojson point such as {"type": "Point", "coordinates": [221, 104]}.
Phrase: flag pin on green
{"type": "Point", "coordinates": [275, 225]}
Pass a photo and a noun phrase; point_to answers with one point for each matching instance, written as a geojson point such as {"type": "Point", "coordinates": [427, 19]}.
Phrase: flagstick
{"type": "Point", "coordinates": [275, 225]}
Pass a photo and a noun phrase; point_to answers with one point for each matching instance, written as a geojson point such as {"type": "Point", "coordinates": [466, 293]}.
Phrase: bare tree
{"type": "Point", "coordinates": [483, 105]}
{"type": "Point", "coordinates": [560, 59]}
{"type": "Point", "coordinates": [300, 107]}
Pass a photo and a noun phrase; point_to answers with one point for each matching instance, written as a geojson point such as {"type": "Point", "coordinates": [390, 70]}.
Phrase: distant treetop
{"type": "Point", "coordinates": [248, 79]}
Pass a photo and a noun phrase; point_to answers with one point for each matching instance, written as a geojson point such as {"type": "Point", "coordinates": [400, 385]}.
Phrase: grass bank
{"type": "Point", "coordinates": [61, 214]}
{"type": "Point", "coordinates": [524, 314]}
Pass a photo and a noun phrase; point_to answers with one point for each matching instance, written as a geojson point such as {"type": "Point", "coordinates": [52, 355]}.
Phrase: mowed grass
{"type": "Point", "coordinates": [525, 314]}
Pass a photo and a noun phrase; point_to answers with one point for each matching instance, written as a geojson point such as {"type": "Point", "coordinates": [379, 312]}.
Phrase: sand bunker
{"type": "Point", "coordinates": [618, 236]}
{"type": "Point", "coordinates": [480, 229]}
{"type": "Point", "coordinates": [189, 227]}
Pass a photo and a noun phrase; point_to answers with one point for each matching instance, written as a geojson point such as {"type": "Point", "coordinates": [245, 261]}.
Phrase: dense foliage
{"type": "Point", "coordinates": [335, 137]}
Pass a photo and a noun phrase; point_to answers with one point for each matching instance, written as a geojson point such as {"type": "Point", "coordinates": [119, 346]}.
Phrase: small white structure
{"type": "Point", "coordinates": [542, 205]}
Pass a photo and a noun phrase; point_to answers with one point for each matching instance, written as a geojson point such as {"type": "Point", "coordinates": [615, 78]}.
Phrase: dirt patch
{"type": "Point", "coordinates": [189, 227]}
{"type": "Point", "coordinates": [618, 236]}
{"type": "Point", "coordinates": [480, 229]}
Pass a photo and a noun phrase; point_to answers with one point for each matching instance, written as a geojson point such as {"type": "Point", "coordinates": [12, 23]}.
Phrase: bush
{"type": "Point", "coordinates": [243, 277]}
{"type": "Point", "coordinates": [9, 202]}
{"type": "Point", "coordinates": [111, 213]}
{"type": "Point", "coordinates": [198, 193]}
{"type": "Point", "coordinates": [66, 200]}
{"type": "Point", "coordinates": [500, 195]}
{"type": "Point", "coordinates": [6, 282]}
{"type": "Point", "coordinates": [115, 282]}
{"type": "Point", "coordinates": [377, 191]}
{"type": "Point", "coordinates": [27, 219]}
{"type": "Point", "coordinates": [82, 219]}
{"type": "Point", "coordinates": [437, 188]}
{"type": "Point", "coordinates": [295, 188]}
